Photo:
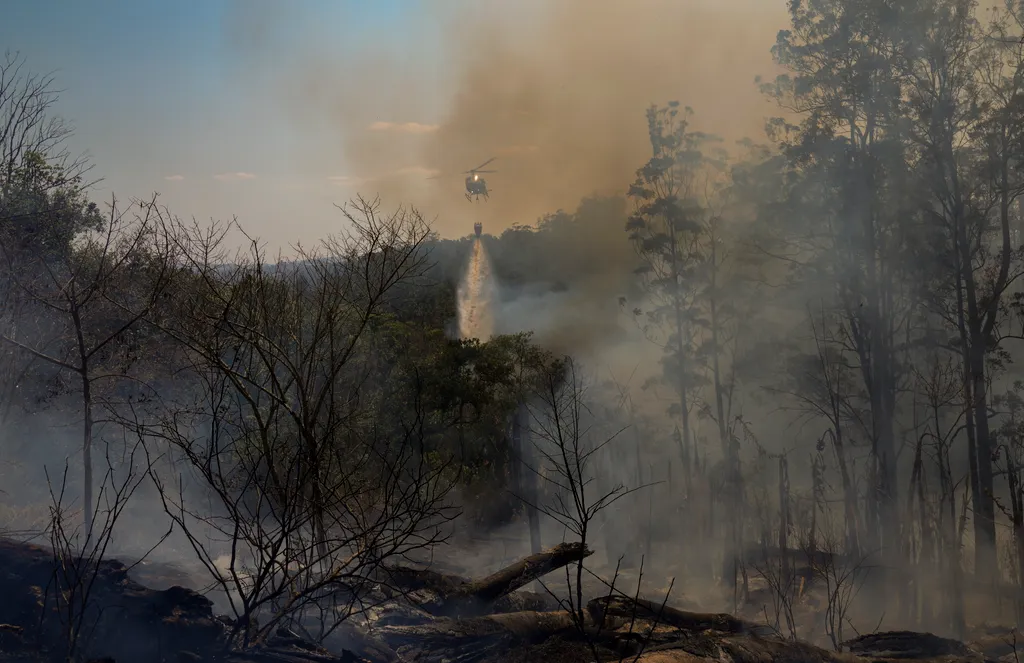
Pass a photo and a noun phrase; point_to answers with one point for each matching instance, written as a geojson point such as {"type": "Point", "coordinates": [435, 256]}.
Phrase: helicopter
{"type": "Point", "coordinates": [476, 186]}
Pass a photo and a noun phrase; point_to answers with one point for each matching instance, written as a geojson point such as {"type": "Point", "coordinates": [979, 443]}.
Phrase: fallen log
{"type": "Point", "coordinates": [907, 645]}
{"type": "Point", "coordinates": [697, 622]}
{"type": "Point", "coordinates": [406, 579]}
{"type": "Point", "coordinates": [523, 572]}
{"type": "Point", "coordinates": [672, 656]}
{"type": "Point", "coordinates": [740, 649]}
{"type": "Point", "coordinates": [753, 649]}
{"type": "Point", "coordinates": [475, 638]}
{"type": "Point", "coordinates": [286, 655]}
{"type": "Point", "coordinates": [747, 649]}
{"type": "Point", "coordinates": [163, 623]}
{"type": "Point", "coordinates": [362, 642]}
{"type": "Point", "coordinates": [449, 596]}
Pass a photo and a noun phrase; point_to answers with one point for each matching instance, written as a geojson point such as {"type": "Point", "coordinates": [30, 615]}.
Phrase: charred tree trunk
{"type": "Point", "coordinates": [695, 622]}
{"type": "Point", "coordinates": [476, 639]}
{"type": "Point", "coordinates": [1017, 518]}
{"type": "Point", "coordinates": [928, 554]}
{"type": "Point", "coordinates": [850, 511]}
{"type": "Point", "coordinates": [968, 395]}
{"type": "Point", "coordinates": [458, 597]}
{"type": "Point", "coordinates": [973, 343]}
{"type": "Point", "coordinates": [985, 524]}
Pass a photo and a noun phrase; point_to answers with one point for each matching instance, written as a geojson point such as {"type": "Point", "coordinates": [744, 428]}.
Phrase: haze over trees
{"type": "Point", "coordinates": [831, 315]}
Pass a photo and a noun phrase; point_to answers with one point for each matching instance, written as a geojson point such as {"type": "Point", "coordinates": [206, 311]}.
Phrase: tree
{"type": "Point", "coordinates": [824, 385]}
{"type": "Point", "coordinates": [41, 183]}
{"type": "Point", "coordinates": [319, 446]}
{"type": "Point", "coordinates": [682, 235]}
{"type": "Point", "coordinates": [92, 295]}
{"type": "Point", "coordinates": [851, 186]}
{"type": "Point", "coordinates": [42, 201]}
{"type": "Point", "coordinates": [289, 340]}
{"type": "Point", "coordinates": [964, 120]}
{"type": "Point", "coordinates": [567, 445]}
{"type": "Point", "coordinates": [666, 229]}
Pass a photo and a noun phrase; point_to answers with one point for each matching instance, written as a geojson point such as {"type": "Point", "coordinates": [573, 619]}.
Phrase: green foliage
{"type": "Point", "coordinates": [43, 208]}
{"type": "Point", "coordinates": [466, 392]}
{"type": "Point", "coordinates": [470, 388]}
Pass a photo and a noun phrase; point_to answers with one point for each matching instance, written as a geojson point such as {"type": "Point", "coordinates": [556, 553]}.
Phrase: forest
{"type": "Point", "coordinates": [819, 427]}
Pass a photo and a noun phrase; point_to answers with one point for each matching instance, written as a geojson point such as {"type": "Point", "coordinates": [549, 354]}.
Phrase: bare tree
{"type": "Point", "coordinates": [964, 89]}
{"type": "Point", "coordinates": [940, 383]}
{"type": "Point", "coordinates": [275, 554]}
{"type": "Point", "coordinates": [666, 228]}
{"type": "Point", "coordinates": [79, 555]}
{"type": "Point", "coordinates": [566, 444]}
{"type": "Point", "coordinates": [28, 124]}
{"type": "Point", "coordinates": [35, 163]}
{"type": "Point", "coordinates": [316, 462]}
{"type": "Point", "coordinates": [88, 298]}
{"type": "Point", "coordinates": [843, 575]}
{"type": "Point", "coordinates": [824, 386]}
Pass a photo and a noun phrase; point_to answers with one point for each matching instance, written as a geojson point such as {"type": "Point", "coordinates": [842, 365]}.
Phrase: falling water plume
{"type": "Point", "coordinates": [475, 293]}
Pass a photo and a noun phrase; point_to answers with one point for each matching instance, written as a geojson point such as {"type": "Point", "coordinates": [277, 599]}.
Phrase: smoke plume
{"type": "Point", "coordinates": [560, 102]}
{"type": "Point", "coordinates": [555, 90]}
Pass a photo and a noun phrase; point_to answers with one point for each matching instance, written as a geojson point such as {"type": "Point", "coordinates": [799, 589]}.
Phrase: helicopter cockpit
{"type": "Point", "coordinates": [476, 185]}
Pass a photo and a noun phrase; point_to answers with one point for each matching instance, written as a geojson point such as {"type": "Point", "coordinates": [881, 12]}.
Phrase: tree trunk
{"type": "Point", "coordinates": [984, 508]}
{"type": "Point", "coordinates": [984, 519]}
{"type": "Point", "coordinates": [968, 396]}
{"type": "Point", "coordinates": [849, 490]}
{"type": "Point", "coordinates": [87, 425]}
{"type": "Point", "coordinates": [785, 576]}
{"type": "Point", "coordinates": [456, 596]}
{"type": "Point", "coordinates": [733, 492]}
{"type": "Point", "coordinates": [87, 422]}
{"type": "Point", "coordinates": [617, 605]}
{"type": "Point", "coordinates": [1017, 514]}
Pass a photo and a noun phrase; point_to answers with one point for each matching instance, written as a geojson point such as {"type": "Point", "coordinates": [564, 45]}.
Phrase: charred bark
{"type": "Point", "coordinates": [600, 609]}
{"type": "Point", "coordinates": [454, 596]}
{"type": "Point", "coordinates": [477, 638]}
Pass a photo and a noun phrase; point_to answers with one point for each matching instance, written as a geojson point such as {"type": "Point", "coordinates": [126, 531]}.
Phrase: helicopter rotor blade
{"type": "Point", "coordinates": [477, 169]}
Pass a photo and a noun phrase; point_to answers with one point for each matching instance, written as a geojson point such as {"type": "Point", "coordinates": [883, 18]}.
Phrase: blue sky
{"type": "Point", "coordinates": [189, 88]}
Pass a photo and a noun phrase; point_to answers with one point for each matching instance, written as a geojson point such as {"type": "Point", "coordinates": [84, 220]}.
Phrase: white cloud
{"type": "Point", "coordinates": [234, 177]}
{"type": "Point", "coordinates": [404, 127]}
{"type": "Point", "coordinates": [174, 178]}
